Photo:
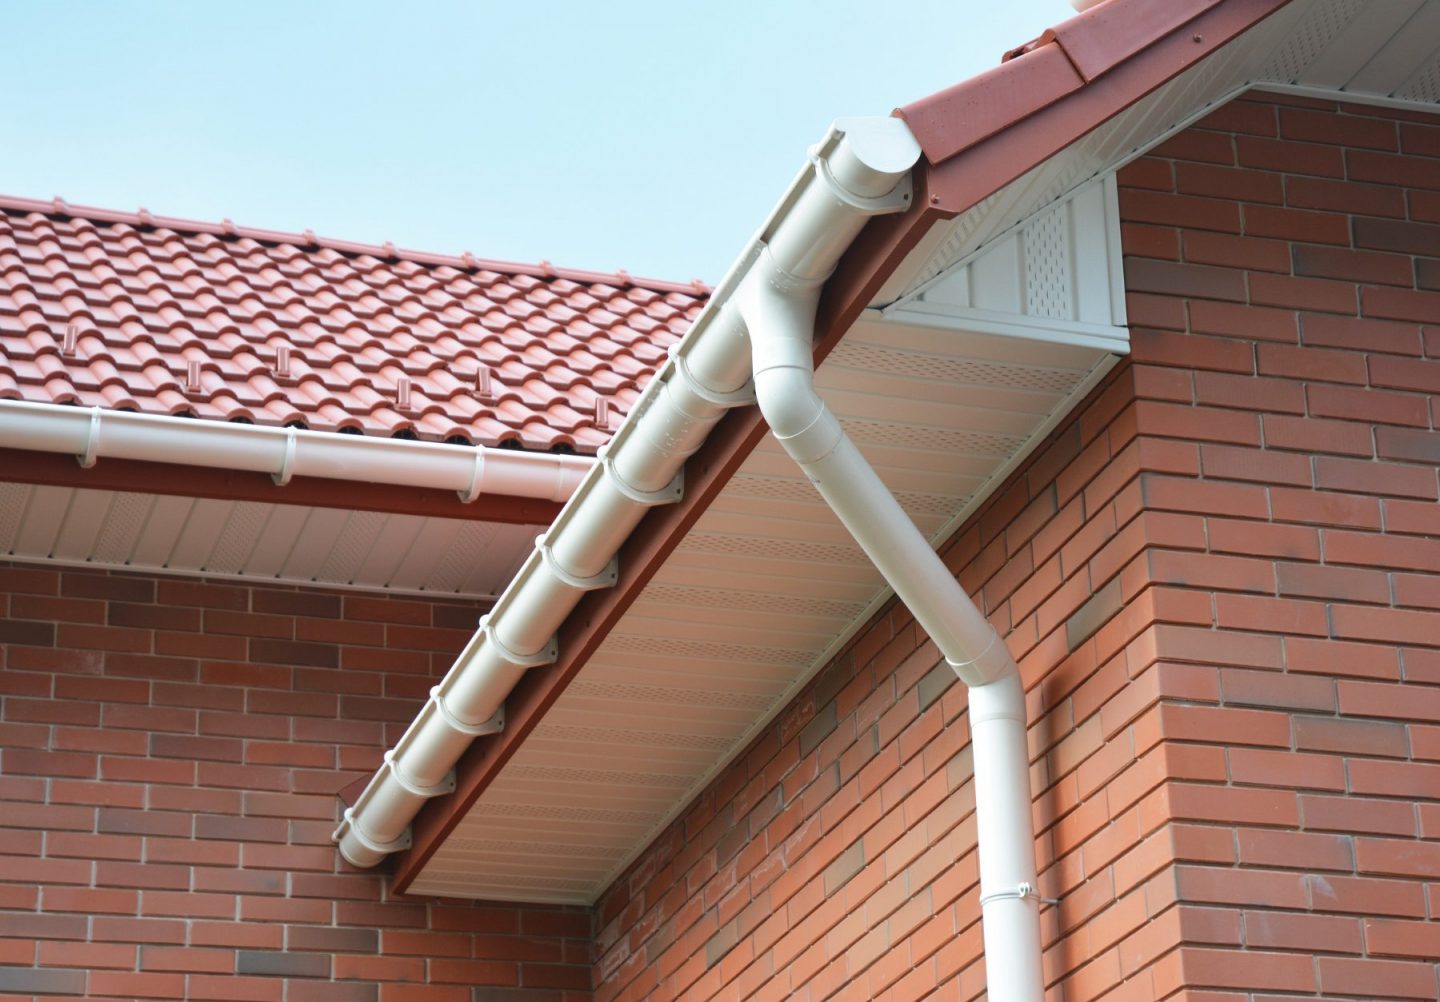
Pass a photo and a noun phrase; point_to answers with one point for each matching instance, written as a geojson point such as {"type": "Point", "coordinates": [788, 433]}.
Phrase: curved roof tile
{"type": "Point", "coordinates": [147, 293]}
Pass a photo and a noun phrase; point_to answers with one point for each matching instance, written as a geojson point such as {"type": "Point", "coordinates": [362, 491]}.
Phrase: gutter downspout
{"type": "Point", "coordinates": [779, 314]}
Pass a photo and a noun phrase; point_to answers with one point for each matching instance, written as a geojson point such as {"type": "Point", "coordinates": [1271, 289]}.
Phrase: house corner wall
{"type": "Point", "coordinates": [1219, 578]}
{"type": "Point", "coordinates": [170, 754]}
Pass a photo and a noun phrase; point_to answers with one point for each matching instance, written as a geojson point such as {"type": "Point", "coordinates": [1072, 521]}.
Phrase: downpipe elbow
{"type": "Point", "coordinates": [780, 317]}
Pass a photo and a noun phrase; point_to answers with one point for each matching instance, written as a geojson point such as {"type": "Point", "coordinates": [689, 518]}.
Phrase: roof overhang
{"type": "Point", "coordinates": [711, 625]}
{"type": "Point", "coordinates": [97, 488]}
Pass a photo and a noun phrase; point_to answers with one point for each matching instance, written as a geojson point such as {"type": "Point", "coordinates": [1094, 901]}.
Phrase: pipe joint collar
{"type": "Point", "coordinates": [814, 441]}
{"type": "Point", "coordinates": [993, 663]}
{"type": "Point", "coordinates": [1002, 699]}
{"type": "Point", "coordinates": [787, 283]}
{"type": "Point", "coordinates": [783, 352]}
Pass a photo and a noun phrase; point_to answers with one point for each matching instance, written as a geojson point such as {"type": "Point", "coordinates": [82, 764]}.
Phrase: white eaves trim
{"type": "Point", "coordinates": [94, 433]}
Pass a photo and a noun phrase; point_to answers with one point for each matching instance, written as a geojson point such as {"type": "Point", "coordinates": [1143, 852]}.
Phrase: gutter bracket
{"type": "Point", "coordinates": [669, 494]}
{"type": "Point", "coordinates": [384, 848]}
{"type": "Point", "coordinates": [897, 199]}
{"type": "Point", "coordinates": [92, 441]}
{"type": "Point", "coordinates": [742, 397]}
{"type": "Point", "coordinates": [477, 477]}
{"type": "Point", "coordinates": [287, 464]}
{"type": "Point", "coordinates": [605, 579]}
{"type": "Point", "coordinates": [446, 785]}
{"type": "Point", "coordinates": [544, 656]}
{"type": "Point", "coordinates": [1022, 892]}
{"type": "Point", "coordinates": [493, 725]}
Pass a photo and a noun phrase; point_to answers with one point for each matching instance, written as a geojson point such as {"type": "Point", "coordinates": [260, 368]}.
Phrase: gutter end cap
{"type": "Point", "coordinates": [884, 144]}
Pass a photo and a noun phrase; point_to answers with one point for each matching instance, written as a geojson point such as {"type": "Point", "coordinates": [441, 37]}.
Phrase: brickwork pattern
{"type": "Point", "coordinates": [170, 752]}
{"type": "Point", "coordinates": [1220, 580]}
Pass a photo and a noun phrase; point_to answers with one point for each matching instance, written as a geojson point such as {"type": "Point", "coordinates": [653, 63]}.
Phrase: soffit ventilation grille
{"type": "Point", "coordinates": [1320, 27]}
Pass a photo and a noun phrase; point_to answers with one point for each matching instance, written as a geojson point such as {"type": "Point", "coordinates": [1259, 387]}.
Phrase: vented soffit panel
{"type": "Point", "coordinates": [259, 543]}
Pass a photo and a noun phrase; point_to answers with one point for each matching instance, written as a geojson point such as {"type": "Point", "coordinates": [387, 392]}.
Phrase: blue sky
{"type": "Point", "coordinates": [648, 136]}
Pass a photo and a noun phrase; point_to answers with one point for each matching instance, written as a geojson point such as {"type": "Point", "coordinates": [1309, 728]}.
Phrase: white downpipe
{"type": "Point", "coordinates": [779, 315]}
{"type": "Point", "coordinates": [92, 433]}
{"type": "Point", "coordinates": [707, 374]}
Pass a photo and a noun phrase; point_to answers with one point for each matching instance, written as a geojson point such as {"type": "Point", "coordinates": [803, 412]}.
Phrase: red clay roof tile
{"type": "Point", "coordinates": [115, 309]}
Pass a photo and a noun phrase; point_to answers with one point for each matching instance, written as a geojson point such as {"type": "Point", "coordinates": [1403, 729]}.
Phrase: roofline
{"type": "Point", "coordinates": [959, 171]}
{"type": "Point", "coordinates": [151, 441]}
{"type": "Point", "coordinates": [130, 476]}
{"type": "Point", "coordinates": [465, 261]}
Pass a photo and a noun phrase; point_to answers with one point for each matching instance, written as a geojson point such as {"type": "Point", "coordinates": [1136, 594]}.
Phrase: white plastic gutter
{"type": "Point", "coordinates": [769, 297]}
{"type": "Point", "coordinates": [93, 433]}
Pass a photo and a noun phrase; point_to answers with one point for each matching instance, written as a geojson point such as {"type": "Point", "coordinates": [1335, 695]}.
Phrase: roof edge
{"type": "Point", "coordinates": [465, 261]}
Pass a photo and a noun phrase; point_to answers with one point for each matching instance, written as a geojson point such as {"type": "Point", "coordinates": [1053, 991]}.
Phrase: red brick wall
{"type": "Point", "coordinates": [170, 751]}
{"type": "Point", "coordinates": [1220, 581]}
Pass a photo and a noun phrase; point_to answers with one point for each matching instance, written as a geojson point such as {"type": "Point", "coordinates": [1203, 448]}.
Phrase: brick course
{"type": "Point", "coordinates": [170, 753]}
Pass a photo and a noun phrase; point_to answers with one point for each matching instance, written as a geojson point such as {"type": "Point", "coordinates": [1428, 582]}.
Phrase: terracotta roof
{"type": "Point", "coordinates": [166, 316]}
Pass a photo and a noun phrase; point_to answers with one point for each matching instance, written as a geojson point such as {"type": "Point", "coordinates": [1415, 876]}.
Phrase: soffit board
{"type": "Point", "coordinates": [257, 542]}
{"type": "Point", "coordinates": [759, 596]}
